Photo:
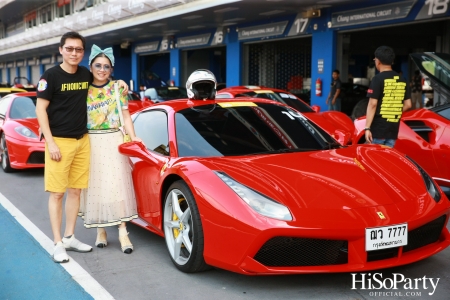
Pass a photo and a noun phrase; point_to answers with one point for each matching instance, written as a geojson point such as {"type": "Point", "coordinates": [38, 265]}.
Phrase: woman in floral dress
{"type": "Point", "coordinates": [109, 200]}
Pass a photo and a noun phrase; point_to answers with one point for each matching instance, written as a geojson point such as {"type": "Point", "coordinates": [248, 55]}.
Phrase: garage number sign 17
{"type": "Point", "coordinates": [299, 26]}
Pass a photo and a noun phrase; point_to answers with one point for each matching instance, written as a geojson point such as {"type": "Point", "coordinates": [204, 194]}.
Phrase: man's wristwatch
{"type": "Point", "coordinates": [367, 128]}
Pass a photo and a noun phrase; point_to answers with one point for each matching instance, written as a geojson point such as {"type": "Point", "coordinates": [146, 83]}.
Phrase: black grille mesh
{"type": "Point", "coordinates": [291, 252]}
{"type": "Point", "coordinates": [36, 158]}
{"type": "Point", "coordinates": [424, 235]}
{"type": "Point", "coordinates": [382, 254]}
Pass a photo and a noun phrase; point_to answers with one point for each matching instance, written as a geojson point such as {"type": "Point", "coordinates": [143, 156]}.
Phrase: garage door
{"type": "Point", "coordinates": [282, 64]}
{"type": "Point", "coordinates": [35, 74]}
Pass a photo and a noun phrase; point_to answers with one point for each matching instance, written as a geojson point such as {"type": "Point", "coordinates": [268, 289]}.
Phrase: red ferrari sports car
{"type": "Point", "coordinates": [424, 134]}
{"type": "Point", "coordinates": [339, 125]}
{"type": "Point", "coordinates": [20, 147]}
{"type": "Point", "coordinates": [252, 186]}
{"type": "Point", "coordinates": [135, 102]}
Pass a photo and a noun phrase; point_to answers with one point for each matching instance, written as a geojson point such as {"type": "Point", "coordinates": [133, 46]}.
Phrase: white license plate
{"type": "Point", "coordinates": [386, 237]}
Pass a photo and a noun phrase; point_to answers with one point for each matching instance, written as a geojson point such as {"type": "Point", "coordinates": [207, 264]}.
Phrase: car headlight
{"type": "Point", "coordinates": [432, 188]}
{"type": "Point", "coordinates": [26, 132]}
{"type": "Point", "coordinates": [261, 204]}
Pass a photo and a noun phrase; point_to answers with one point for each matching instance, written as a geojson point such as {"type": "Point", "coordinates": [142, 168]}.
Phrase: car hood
{"type": "Point", "coordinates": [31, 124]}
{"type": "Point", "coordinates": [337, 124]}
{"type": "Point", "coordinates": [346, 178]}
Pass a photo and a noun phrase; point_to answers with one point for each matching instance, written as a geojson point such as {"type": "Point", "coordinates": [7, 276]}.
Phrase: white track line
{"type": "Point", "coordinates": [84, 279]}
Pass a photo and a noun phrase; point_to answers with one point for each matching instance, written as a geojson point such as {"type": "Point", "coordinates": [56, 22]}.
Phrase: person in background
{"type": "Point", "coordinates": [389, 96]}
{"type": "Point", "coordinates": [142, 89]}
{"type": "Point", "coordinates": [109, 200]}
{"type": "Point", "coordinates": [416, 90]}
{"type": "Point", "coordinates": [333, 100]}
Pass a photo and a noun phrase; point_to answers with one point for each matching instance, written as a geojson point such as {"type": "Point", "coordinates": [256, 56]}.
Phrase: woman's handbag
{"type": "Point", "coordinates": [126, 137]}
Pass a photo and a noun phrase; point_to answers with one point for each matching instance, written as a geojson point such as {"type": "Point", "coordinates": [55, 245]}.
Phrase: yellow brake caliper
{"type": "Point", "coordinates": [176, 231]}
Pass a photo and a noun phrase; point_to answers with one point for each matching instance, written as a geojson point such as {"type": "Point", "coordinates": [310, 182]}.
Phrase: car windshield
{"type": "Point", "coordinates": [246, 128]}
{"type": "Point", "coordinates": [171, 92]}
{"type": "Point", "coordinates": [23, 108]}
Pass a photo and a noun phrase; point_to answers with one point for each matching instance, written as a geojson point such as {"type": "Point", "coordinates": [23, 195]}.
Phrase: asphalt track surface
{"type": "Point", "coordinates": [28, 272]}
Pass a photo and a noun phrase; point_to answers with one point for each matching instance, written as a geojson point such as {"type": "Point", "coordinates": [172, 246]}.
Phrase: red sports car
{"type": "Point", "coordinates": [135, 102]}
{"type": "Point", "coordinates": [339, 125]}
{"type": "Point", "coordinates": [20, 147]}
{"type": "Point", "coordinates": [252, 186]}
{"type": "Point", "coordinates": [424, 134]}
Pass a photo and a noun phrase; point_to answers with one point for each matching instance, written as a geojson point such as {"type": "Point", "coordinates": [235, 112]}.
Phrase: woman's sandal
{"type": "Point", "coordinates": [125, 242]}
{"type": "Point", "coordinates": [101, 240]}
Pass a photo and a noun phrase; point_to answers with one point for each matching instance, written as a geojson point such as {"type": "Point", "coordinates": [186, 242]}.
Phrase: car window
{"type": "Point", "coordinates": [292, 101]}
{"type": "Point", "coordinates": [227, 129]}
{"type": "Point", "coordinates": [133, 96]}
{"type": "Point", "coordinates": [3, 106]}
{"type": "Point", "coordinates": [171, 92]}
{"type": "Point", "coordinates": [443, 110]}
{"type": "Point", "coordinates": [23, 108]}
{"type": "Point", "coordinates": [151, 127]}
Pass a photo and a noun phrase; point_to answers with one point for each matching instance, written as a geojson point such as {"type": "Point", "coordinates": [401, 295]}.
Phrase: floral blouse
{"type": "Point", "coordinates": [102, 107]}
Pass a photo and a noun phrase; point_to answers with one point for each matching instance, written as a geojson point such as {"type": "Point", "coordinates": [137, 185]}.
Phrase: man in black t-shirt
{"type": "Point", "coordinates": [61, 112]}
{"type": "Point", "coordinates": [389, 96]}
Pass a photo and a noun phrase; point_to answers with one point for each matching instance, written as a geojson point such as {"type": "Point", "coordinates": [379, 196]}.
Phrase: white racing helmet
{"type": "Point", "coordinates": [201, 85]}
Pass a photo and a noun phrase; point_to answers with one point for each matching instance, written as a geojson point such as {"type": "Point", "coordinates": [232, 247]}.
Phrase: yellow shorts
{"type": "Point", "coordinates": [72, 171]}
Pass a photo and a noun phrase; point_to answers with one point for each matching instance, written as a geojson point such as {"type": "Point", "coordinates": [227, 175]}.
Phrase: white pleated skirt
{"type": "Point", "coordinates": [109, 199]}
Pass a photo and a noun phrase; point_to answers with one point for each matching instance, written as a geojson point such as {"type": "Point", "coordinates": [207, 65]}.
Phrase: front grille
{"type": "Point", "coordinates": [291, 252]}
{"type": "Point", "coordinates": [425, 234]}
{"type": "Point", "coordinates": [36, 158]}
{"type": "Point", "coordinates": [382, 254]}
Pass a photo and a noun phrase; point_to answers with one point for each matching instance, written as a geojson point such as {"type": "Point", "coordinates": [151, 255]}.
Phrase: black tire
{"type": "Point", "coordinates": [4, 156]}
{"type": "Point", "coordinates": [191, 230]}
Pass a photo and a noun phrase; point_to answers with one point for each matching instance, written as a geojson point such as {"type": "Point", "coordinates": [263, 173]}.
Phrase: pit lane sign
{"type": "Point", "coordinates": [147, 47]}
{"type": "Point", "coordinates": [194, 40]}
{"type": "Point", "coordinates": [262, 31]}
{"type": "Point", "coordinates": [372, 14]}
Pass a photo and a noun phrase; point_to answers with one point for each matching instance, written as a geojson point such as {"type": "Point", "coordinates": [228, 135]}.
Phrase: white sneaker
{"type": "Point", "coordinates": [59, 253]}
{"type": "Point", "coordinates": [72, 244]}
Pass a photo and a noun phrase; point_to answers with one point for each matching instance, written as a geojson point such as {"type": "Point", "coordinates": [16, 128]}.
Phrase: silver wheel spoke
{"type": "Point", "coordinates": [171, 224]}
{"type": "Point", "coordinates": [177, 247]}
{"type": "Point", "coordinates": [186, 241]}
{"type": "Point", "coordinates": [186, 216]}
{"type": "Point", "coordinates": [176, 205]}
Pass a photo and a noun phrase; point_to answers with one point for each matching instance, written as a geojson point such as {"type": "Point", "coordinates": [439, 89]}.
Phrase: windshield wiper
{"type": "Point", "coordinates": [332, 145]}
{"type": "Point", "coordinates": [283, 151]}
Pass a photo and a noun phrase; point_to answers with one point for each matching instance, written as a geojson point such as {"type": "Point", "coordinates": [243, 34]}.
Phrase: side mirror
{"type": "Point", "coordinates": [316, 108]}
{"type": "Point", "coordinates": [134, 149]}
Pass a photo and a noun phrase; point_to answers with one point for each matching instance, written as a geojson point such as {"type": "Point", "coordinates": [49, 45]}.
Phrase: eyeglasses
{"type": "Point", "coordinates": [77, 50]}
{"type": "Point", "coordinates": [99, 67]}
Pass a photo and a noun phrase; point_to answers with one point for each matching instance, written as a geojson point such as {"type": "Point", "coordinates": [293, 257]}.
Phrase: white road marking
{"type": "Point", "coordinates": [80, 275]}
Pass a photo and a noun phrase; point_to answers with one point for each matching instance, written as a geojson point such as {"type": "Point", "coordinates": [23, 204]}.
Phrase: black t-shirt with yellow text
{"type": "Point", "coordinates": [67, 94]}
{"type": "Point", "coordinates": [390, 91]}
